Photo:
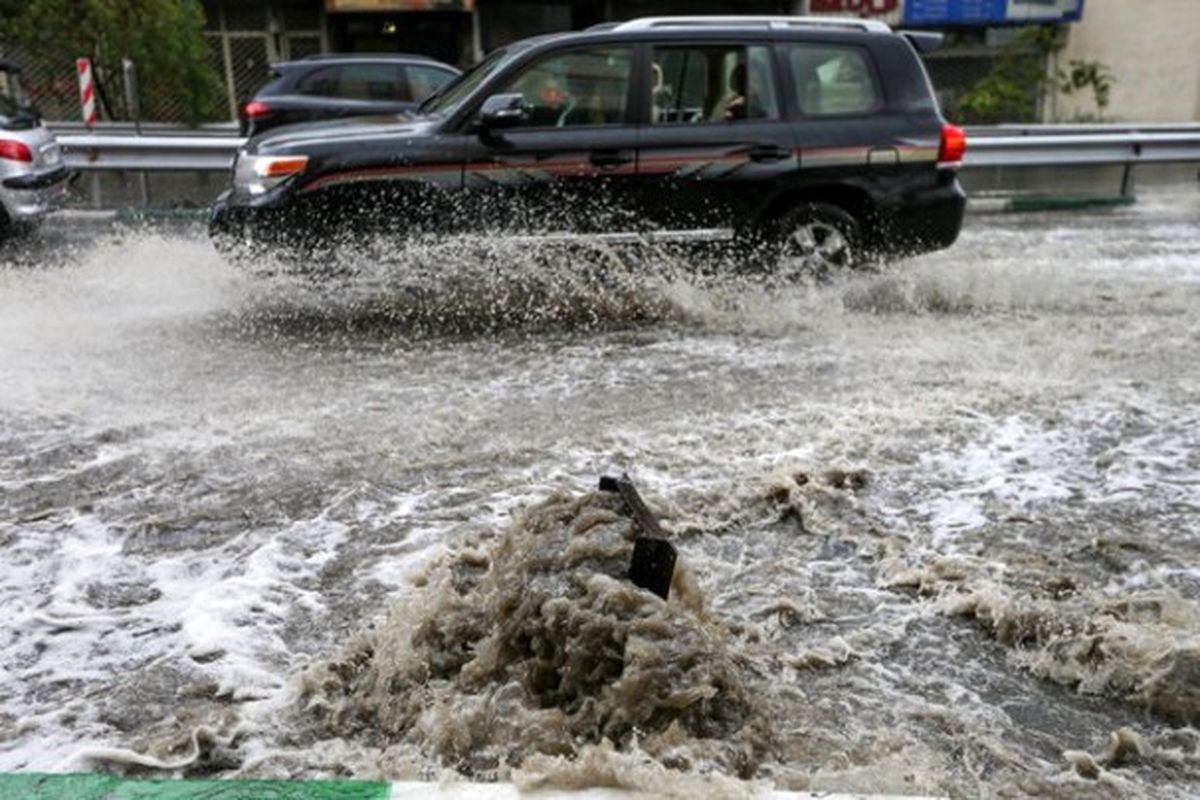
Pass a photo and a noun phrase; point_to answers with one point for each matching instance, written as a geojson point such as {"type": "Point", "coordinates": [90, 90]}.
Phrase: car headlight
{"type": "Point", "coordinates": [259, 174]}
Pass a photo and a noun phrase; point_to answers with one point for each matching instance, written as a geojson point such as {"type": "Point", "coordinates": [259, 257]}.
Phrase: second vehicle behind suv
{"type": "Point", "coordinates": [342, 85]}
{"type": "Point", "coordinates": [33, 179]}
{"type": "Point", "coordinates": [819, 138]}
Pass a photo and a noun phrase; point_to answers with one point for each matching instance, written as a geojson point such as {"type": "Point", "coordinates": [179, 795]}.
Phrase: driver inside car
{"type": "Point", "coordinates": [549, 104]}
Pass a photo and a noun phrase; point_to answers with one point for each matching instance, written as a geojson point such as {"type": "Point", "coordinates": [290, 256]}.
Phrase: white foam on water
{"type": "Point", "coordinates": [1129, 449]}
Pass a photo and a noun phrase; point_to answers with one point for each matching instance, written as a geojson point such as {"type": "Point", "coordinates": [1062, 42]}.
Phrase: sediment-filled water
{"type": "Point", "coordinates": [937, 523]}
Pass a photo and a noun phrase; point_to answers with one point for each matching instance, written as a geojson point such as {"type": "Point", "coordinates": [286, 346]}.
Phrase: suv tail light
{"type": "Point", "coordinates": [953, 146]}
{"type": "Point", "coordinates": [255, 109]}
{"type": "Point", "coordinates": [13, 150]}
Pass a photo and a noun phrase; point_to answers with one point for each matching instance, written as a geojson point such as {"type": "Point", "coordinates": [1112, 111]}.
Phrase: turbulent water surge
{"type": "Point", "coordinates": [937, 524]}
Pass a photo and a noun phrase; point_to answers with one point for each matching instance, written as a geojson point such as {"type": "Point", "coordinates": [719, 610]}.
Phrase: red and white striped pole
{"type": "Point", "coordinates": [87, 90]}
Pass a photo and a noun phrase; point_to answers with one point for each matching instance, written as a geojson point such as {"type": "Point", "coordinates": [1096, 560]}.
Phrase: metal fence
{"type": "Point", "coordinates": [240, 59]}
{"type": "Point", "coordinates": [51, 82]}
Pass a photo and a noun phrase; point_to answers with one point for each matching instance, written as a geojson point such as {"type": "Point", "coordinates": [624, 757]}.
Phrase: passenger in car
{"type": "Point", "coordinates": [733, 105]}
{"type": "Point", "coordinates": [658, 94]}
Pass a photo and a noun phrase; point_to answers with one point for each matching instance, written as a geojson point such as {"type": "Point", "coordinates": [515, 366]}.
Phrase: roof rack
{"type": "Point", "coordinates": [851, 23]}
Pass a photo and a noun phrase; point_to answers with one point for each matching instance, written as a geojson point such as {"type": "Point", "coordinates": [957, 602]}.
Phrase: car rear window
{"type": "Point", "coordinates": [832, 80]}
{"type": "Point", "coordinates": [8, 107]}
{"type": "Point", "coordinates": [375, 82]}
{"type": "Point", "coordinates": [12, 116]}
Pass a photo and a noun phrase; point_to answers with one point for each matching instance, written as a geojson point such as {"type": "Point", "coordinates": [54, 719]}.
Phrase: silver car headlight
{"type": "Point", "coordinates": [259, 174]}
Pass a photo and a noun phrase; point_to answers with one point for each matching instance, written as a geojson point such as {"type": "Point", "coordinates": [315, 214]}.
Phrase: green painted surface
{"type": "Point", "coordinates": [1067, 203]}
{"type": "Point", "coordinates": [34, 786]}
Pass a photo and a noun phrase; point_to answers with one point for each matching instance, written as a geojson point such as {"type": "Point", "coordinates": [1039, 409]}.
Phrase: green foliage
{"type": "Point", "coordinates": [1012, 90]}
{"type": "Point", "coordinates": [164, 38]}
{"type": "Point", "coordinates": [1092, 75]}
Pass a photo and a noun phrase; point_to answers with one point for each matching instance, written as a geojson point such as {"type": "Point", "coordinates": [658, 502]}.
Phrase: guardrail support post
{"type": "Point", "coordinates": [1127, 179]}
{"type": "Point", "coordinates": [132, 104]}
{"type": "Point", "coordinates": [97, 197]}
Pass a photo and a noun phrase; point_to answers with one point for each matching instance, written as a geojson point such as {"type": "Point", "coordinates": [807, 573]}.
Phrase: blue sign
{"type": "Point", "coordinates": [990, 12]}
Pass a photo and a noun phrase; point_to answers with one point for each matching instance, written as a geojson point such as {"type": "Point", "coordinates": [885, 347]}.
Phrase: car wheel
{"type": "Point", "coordinates": [815, 241]}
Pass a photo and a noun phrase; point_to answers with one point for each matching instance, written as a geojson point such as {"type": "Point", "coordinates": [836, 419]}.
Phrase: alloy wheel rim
{"type": "Point", "coordinates": [818, 246]}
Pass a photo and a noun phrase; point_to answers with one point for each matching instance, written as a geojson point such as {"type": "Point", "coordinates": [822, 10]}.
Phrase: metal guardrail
{"type": "Point", "coordinates": [1083, 146]}
{"type": "Point", "coordinates": [1072, 128]}
{"type": "Point", "coordinates": [1078, 149]}
{"type": "Point", "coordinates": [162, 148]}
{"type": "Point", "coordinates": [89, 152]}
{"type": "Point", "coordinates": [64, 127]}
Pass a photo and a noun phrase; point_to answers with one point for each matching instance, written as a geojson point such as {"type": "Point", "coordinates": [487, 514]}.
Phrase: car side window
{"type": "Point", "coordinates": [712, 83]}
{"type": "Point", "coordinates": [379, 82]}
{"type": "Point", "coordinates": [424, 81]}
{"type": "Point", "coordinates": [832, 80]}
{"type": "Point", "coordinates": [580, 87]}
{"type": "Point", "coordinates": [321, 82]}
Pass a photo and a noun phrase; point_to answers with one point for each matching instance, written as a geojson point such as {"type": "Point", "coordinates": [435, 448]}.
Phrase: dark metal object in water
{"type": "Point", "coordinates": [653, 563]}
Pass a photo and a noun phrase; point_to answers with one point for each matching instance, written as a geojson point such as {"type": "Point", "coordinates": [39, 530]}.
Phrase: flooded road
{"type": "Point", "coordinates": [938, 523]}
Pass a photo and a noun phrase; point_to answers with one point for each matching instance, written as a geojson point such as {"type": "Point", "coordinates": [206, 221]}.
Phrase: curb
{"type": "Point", "coordinates": [130, 215]}
{"type": "Point", "coordinates": [84, 215]}
{"type": "Point", "coordinates": [34, 786]}
{"type": "Point", "coordinates": [43, 786]}
{"type": "Point", "coordinates": [158, 215]}
{"type": "Point", "coordinates": [1024, 203]}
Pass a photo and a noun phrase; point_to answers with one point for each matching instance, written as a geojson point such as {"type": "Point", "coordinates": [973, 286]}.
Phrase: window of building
{"type": "Point", "coordinates": [691, 85]}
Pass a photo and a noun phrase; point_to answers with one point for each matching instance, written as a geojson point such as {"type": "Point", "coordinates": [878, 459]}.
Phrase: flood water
{"type": "Point", "coordinates": [938, 524]}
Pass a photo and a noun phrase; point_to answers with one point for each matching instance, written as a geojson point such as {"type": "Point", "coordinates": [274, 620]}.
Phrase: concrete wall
{"type": "Point", "coordinates": [1153, 50]}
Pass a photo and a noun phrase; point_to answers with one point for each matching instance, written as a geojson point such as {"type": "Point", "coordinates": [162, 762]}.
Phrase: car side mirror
{"type": "Point", "coordinates": [503, 111]}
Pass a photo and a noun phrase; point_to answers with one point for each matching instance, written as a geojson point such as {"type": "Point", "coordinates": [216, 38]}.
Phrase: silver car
{"type": "Point", "coordinates": [33, 178]}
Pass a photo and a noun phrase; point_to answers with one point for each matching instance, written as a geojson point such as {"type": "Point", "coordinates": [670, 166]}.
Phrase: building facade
{"type": "Point", "coordinates": [247, 35]}
{"type": "Point", "coordinates": [1149, 47]}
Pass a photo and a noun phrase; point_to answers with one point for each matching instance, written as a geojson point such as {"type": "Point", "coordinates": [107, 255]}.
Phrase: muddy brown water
{"type": "Point", "coordinates": [937, 523]}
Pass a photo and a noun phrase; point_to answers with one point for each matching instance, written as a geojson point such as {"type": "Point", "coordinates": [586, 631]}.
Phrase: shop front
{"type": "Point", "coordinates": [442, 29]}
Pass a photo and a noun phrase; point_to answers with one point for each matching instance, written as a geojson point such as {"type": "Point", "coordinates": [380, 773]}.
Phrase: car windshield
{"type": "Point", "coordinates": [448, 99]}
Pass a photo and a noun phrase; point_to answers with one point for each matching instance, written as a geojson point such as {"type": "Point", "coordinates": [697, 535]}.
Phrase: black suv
{"type": "Point", "coordinates": [819, 137]}
{"type": "Point", "coordinates": [342, 85]}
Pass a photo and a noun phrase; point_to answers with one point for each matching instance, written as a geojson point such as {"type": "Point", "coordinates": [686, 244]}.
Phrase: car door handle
{"type": "Point", "coordinates": [883, 155]}
{"type": "Point", "coordinates": [766, 153]}
{"type": "Point", "coordinates": [608, 159]}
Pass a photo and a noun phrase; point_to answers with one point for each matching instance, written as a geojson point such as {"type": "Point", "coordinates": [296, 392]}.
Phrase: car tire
{"type": "Point", "coordinates": [814, 241]}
